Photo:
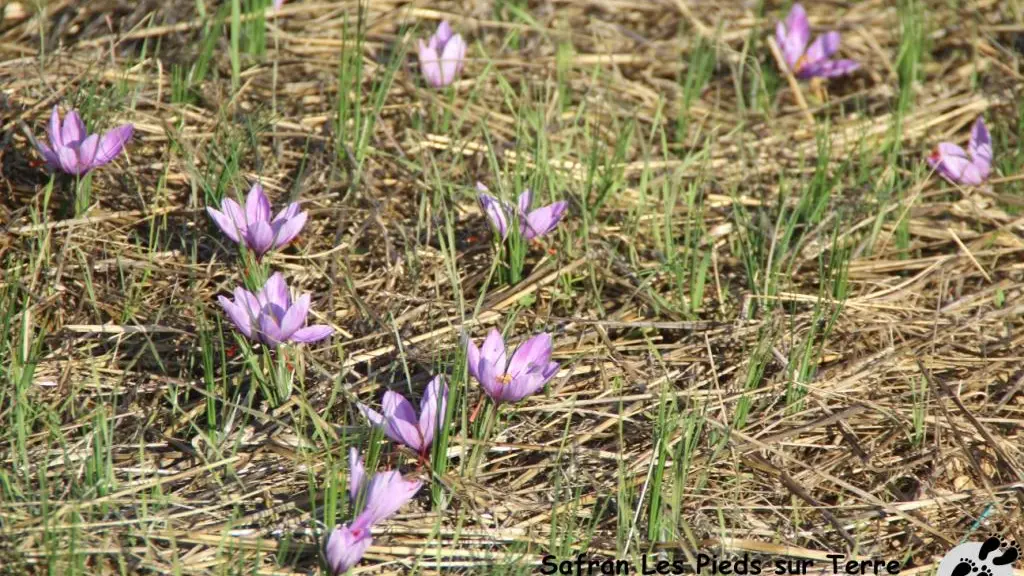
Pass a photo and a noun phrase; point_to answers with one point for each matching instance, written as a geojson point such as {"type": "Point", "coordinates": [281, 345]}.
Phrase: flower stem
{"type": "Point", "coordinates": [83, 194]}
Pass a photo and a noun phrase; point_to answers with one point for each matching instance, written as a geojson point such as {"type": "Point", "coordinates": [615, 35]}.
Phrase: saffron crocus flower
{"type": "Point", "coordinates": [532, 223]}
{"type": "Point", "coordinates": [386, 492]}
{"type": "Point", "coordinates": [512, 380]}
{"type": "Point", "coordinates": [74, 151]}
{"type": "Point", "coordinates": [270, 316]}
{"type": "Point", "coordinates": [968, 168]}
{"type": "Point", "coordinates": [442, 57]}
{"type": "Point", "coordinates": [346, 546]}
{"type": "Point", "coordinates": [809, 61]}
{"type": "Point", "coordinates": [399, 421]}
{"type": "Point", "coordinates": [253, 226]}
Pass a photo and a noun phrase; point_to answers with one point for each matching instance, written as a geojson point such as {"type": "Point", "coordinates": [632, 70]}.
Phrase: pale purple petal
{"type": "Point", "coordinates": [429, 65]}
{"type": "Point", "coordinates": [310, 334]}
{"type": "Point", "coordinates": [525, 201]}
{"type": "Point", "coordinates": [112, 143]}
{"type": "Point", "coordinates": [295, 317]}
{"type": "Point", "coordinates": [432, 409]}
{"type": "Point", "coordinates": [444, 32]}
{"type": "Point", "coordinates": [533, 355]}
{"type": "Point", "coordinates": [224, 223]}
{"type": "Point", "coordinates": [345, 547]}
{"type": "Point", "coordinates": [49, 155]}
{"type": "Point", "coordinates": [73, 129]}
{"type": "Point", "coordinates": [275, 292]}
{"type": "Point", "coordinates": [277, 4]}
{"type": "Point", "coordinates": [495, 212]}
{"type": "Point", "coordinates": [387, 492]}
{"type": "Point", "coordinates": [400, 420]}
{"type": "Point", "coordinates": [248, 300]}
{"type": "Point", "coordinates": [971, 176]}
{"type": "Point", "coordinates": [68, 158]}
{"type": "Point", "coordinates": [543, 220]}
{"type": "Point", "coordinates": [472, 358]}
{"type": "Point", "coordinates": [356, 473]}
{"type": "Point", "coordinates": [550, 370]}
{"type": "Point", "coordinates": [797, 35]}
{"type": "Point", "coordinates": [451, 59]}
{"type": "Point", "coordinates": [271, 333]}
{"type": "Point", "coordinates": [236, 219]}
{"type": "Point", "coordinates": [493, 351]}
{"type": "Point", "coordinates": [257, 206]}
{"type": "Point", "coordinates": [823, 46]}
{"type": "Point", "coordinates": [950, 161]}
{"type": "Point", "coordinates": [238, 314]}
{"type": "Point", "coordinates": [285, 231]}
{"type": "Point", "coordinates": [259, 237]}
{"type": "Point", "coordinates": [286, 213]}
{"type": "Point", "coordinates": [780, 39]}
{"type": "Point", "coordinates": [948, 149]}
{"type": "Point", "coordinates": [980, 147]}
{"type": "Point", "coordinates": [375, 418]}
{"type": "Point", "coordinates": [87, 152]}
{"type": "Point", "coordinates": [490, 375]}
{"type": "Point", "coordinates": [827, 69]}
{"type": "Point", "coordinates": [522, 386]}
{"type": "Point", "coordinates": [53, 130]}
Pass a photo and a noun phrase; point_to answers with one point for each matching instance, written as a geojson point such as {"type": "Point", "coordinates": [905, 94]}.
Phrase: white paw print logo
{"type": "Point", "coordinates": [993, 557]}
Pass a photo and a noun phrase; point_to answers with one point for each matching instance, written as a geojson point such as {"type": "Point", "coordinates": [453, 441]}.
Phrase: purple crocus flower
{"type": "Point", "coordinates": [270, 317]}
{"type": "Point", "coordinates": [511, 380]}
{"type": "Point", "coordinates": [442, 57]}
{"type": "Point", "coordinates": [346, 546]}
{"type": "Point", "coordinates": [398, 419]}
{"type": "Point", "coordinates": [968, 168]}
{"type": "Point", "coordinates": [386, 492]}
{"type": "Point", "coordinates": [532, 223]}
{"type": "Point", "coordinates": [809, 61]}
{"type": "Point", "coordinates": [75, 152]}
{"type": "Point", "coordinates": [253, 226]}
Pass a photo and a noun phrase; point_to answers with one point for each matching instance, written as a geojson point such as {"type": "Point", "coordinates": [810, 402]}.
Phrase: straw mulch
{"type": "Point", "coordinates": [930, 322]}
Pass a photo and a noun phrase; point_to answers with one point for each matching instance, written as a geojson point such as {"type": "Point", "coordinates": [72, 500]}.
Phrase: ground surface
{"type": "Point", "coordinates": [780, 333]}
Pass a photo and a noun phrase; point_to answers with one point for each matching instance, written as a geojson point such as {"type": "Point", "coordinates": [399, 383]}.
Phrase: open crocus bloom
{"type": "Point", "coordinates": [398, 419]}
{"type": "Point", "coordinates": [270, 317]}
{"type": "Point", "coordinates": [253, 226]}
{"type": "Point", "coordinates": [75, 152]}
{"type": "Point", "coordinates": [968, 168]}
{"type": "Point", "coordinates": [511, 380]}
{"type": "Point", "coordinates": [386, 492]}
{"type": "Point", "coordinates": [442, 57]}
{"type": "Point", "coordinates": [532, 224]}
{"type": "Point", "coordinates": [809, 61]}
{"type": "Point", "coordinates": [346, 546]}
